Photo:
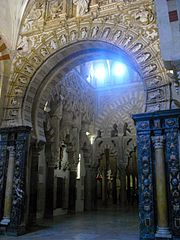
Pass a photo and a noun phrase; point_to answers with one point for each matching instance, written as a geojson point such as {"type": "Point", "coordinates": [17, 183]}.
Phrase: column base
{"type": "Point", "coordinates": [5, 221]}
{"type": "Point", "coordinates": [163, 232]}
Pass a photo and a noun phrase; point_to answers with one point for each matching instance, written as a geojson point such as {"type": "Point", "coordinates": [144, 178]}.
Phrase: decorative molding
{"type": "Point", "coordinates": [134, 32]}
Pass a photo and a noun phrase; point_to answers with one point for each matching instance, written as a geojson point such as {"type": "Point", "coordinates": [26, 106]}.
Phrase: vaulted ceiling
{"type": "Point", "coordinates": [11, 13]}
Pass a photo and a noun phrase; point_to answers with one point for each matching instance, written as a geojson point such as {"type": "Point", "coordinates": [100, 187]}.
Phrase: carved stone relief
{"type": "Point", "coordinates": [136, 23]}
{"type": "Point", "coordinates": [81, 7]}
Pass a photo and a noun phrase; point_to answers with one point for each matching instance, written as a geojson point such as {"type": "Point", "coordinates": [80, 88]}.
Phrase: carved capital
{"type": "Point", "coordinates": [11, 150]}
{"type": "Point", "coordinates": [158, 141]}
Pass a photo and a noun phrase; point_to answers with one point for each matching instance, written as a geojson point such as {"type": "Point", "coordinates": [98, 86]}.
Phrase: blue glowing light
{"type": "Point", "coordinates": [100, 72]}
{"type": "Point", "coordinates": [119, 69]}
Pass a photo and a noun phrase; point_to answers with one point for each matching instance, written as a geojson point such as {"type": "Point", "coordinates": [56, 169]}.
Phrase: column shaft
{"type": "Point", "coordinates": [72, 190]}
{"type": "Point", "coordinates": [49, 204]}
{"type": "Point", "coordinates": [123, 195]}
{"type": "Point", "coordinates": [161, 196]}
{"type": "Point", "coordinates": [9, 187]}
{"type": "Point", "coordinates": [34, 184]}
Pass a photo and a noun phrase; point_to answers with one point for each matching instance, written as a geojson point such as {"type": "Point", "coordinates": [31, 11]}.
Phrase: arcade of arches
{"type": "Point", "coordinates": [75, 138]}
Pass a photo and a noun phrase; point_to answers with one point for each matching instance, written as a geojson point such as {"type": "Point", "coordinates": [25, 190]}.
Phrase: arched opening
{"type": "Point", "coordinates": [80, 69]}
{"type": "Point", "coordinates": [85, 130]}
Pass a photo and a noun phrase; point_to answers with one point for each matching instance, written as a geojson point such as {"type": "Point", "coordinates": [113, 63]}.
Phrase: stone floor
{"type": "Point", "coordinates": [104, 224]}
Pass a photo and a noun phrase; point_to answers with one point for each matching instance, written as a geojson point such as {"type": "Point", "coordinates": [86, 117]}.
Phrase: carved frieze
{"type": "Point", "coordinates": [135, 31]}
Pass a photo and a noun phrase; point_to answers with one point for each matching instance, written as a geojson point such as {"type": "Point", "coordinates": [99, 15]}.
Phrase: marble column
{"type": "Point", "coordinates": [72, 180]}
{"type": "Point", "coordinates": [93, 188]}
{"type": "Point", "coordinates": [88, 189]}
{"type": "Point", "coordinates": [49, 204]}
{"type": "Point", "coordinates": [9, 187]}
{"type": "Point", "coordinates": [49, 181]}
{"type": "Point", "coordinates": [114, 190]}
{"type": "Point", "coordinates": [36, 148]}
{"type": "Point", "coordinates": [161, 192]}
{"type": "Point", "coordinates": [72, 190]}
{"type": "Point", "coordinates": [105, 177]}
{"type": "Point", "coordinates": [55, 123]}
{"type": "Point", "coordinates": [123, 195]}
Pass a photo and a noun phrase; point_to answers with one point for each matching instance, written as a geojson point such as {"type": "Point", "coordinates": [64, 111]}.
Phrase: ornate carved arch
{"type": "Point", "coordinates": [36, 68]}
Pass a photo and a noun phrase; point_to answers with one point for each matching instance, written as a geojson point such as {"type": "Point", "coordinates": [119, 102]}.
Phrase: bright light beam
{"type": "Point", "coordinates": [100, 72]}
{"type": "Point", "coordinates": [119, 69]}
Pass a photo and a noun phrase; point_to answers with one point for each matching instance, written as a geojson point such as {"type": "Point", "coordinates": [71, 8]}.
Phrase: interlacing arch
{"type": "Point", "coordinates": [100, 150]}
{"type": "Point", "coordinates": [119, 111]}
{"type": "Point", "coordinates": [45, 58]}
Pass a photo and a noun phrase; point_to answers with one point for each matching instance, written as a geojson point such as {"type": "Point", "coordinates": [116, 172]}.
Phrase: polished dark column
{"type": "Point", "coordinates": [3, 168]}
{"type": "Point", "coordinates": [9, 187]}
{"type": "Point", "coordinates": [161, 192]}
{"type": "Point", "coordinates": [35, 151]}
{"type": "Point", "coordinates": [15, 207]}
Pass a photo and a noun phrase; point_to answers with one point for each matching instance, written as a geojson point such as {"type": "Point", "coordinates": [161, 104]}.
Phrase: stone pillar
{"type": "Point", "coordinates": [94, 188]}
{"type": "Point", "coordinates": [123, 195]}
{"type": "Point", "coordinates": [105, 176]}
{"type": "Point", "coordinates": [3, 168]}
{"type": "Point", "coordinates": [72, 189]}
{"type": "Point", "coordinates": [128, 188]}
{"type": "Point", "coordinates": [72, 180]}
{"type": "Point", "coordinates": [55, 142]}
{"type": "Point", "coordinates": [161, 196]}
{"type": "Point", "coordinates": [35, 151]}
{"type": "Point", "coordinates": [114, 190]}
{"type": "Point", "coordinates": [15, 202]}
{"type": "Point", "coordinates": [87, 189]}
{"type": "Point", "coordinates": [49, 205]}
{"type": "Point", "coordinates": [9, 187]}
